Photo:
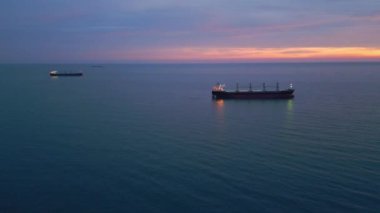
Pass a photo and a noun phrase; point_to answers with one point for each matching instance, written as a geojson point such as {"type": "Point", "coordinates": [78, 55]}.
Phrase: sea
{"type": "Point", "coordinates": [150, 138]}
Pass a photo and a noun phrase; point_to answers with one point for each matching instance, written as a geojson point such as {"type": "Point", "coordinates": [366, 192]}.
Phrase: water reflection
{"type": "Point", "coordinates": [219, 103]}
{"type": "Point", "coordinates": [290, 105]}
{"type": "Point", "coordinates": [219, 106]}
{"type": "Point", "coordinates": [275, 109]}
{"type": "Point", "coordinates": [289, 112]}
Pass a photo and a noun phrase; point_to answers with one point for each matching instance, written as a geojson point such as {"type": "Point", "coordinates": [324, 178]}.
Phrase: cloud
{"type": "Point", "coordinates": [131, 29]}
{"type": "Point", "coordinates": [199, 54]}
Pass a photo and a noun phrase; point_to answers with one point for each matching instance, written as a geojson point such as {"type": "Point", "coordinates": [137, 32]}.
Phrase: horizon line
{"type": "Point", "coordinates": [198, 62]}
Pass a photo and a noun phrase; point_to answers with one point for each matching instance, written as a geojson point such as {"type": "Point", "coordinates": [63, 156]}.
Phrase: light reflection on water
{"type": "Point", "coordinates": [219, 106]}
{"type": "Point", "coordinates": [290, 105]}
{"type": "Point", "coordinates": [289, 112]}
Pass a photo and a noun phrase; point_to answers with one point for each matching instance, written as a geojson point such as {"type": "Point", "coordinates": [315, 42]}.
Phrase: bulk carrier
{"type": "Point", "coordinates": [54, 73]}
{"type": "Point", "coordinates": [218, 92]}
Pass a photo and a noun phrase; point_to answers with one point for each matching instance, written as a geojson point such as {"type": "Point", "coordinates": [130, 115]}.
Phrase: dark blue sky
{"type": "Point", "coordinates": [48, 31]}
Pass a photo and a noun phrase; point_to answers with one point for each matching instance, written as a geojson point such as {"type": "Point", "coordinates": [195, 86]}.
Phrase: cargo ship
{"type": "Point", "coordinates": [56, 73]}
{"type": "Point", "coordinates": [218, 92]}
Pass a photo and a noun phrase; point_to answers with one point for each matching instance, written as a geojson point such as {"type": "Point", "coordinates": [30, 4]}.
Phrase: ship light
{"type": "Point", "coordinates": [218, 87]}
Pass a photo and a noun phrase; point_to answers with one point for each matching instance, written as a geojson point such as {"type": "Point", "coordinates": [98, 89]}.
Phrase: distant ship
{"type": "Point", "coordinates": [218, 92]}
{"type": "Point", "coordinates": [56, 73]}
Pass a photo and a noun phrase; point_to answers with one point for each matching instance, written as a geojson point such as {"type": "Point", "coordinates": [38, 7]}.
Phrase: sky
{"type": "Point", "coordinates": [124, 31]}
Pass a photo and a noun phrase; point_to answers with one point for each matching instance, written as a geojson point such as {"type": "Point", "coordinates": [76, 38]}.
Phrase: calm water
{"type": "Point", "coordinates": [148, 138]}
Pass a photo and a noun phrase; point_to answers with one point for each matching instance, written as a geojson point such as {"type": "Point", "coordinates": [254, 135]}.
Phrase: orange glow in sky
{"type": "Point", "coordinates": [205, 31]}
{"type": "Point", "coordinates": [254, 54]}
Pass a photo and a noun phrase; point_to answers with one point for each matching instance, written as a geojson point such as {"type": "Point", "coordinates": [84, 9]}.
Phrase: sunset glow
{"type": "Point", "coordinates": [252, 54]}
{"type": "Point", "coordinates": [125, 31]}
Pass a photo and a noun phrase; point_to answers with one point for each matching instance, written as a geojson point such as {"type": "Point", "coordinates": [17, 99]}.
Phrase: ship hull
{"type": "Point", "coordinates": [66, 74]}
{"type": "Point", "coordinates": [283, 94]}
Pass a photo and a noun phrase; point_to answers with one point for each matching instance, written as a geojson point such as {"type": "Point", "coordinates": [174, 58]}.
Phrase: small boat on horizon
{"type": "Point", "coordinates": [56, 73]}
{"type": "Point", "coordinates": [218, 92]}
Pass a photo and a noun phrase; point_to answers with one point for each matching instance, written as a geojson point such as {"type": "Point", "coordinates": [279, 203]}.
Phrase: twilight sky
{"type": "Point", "coordinates": [106, 31]}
